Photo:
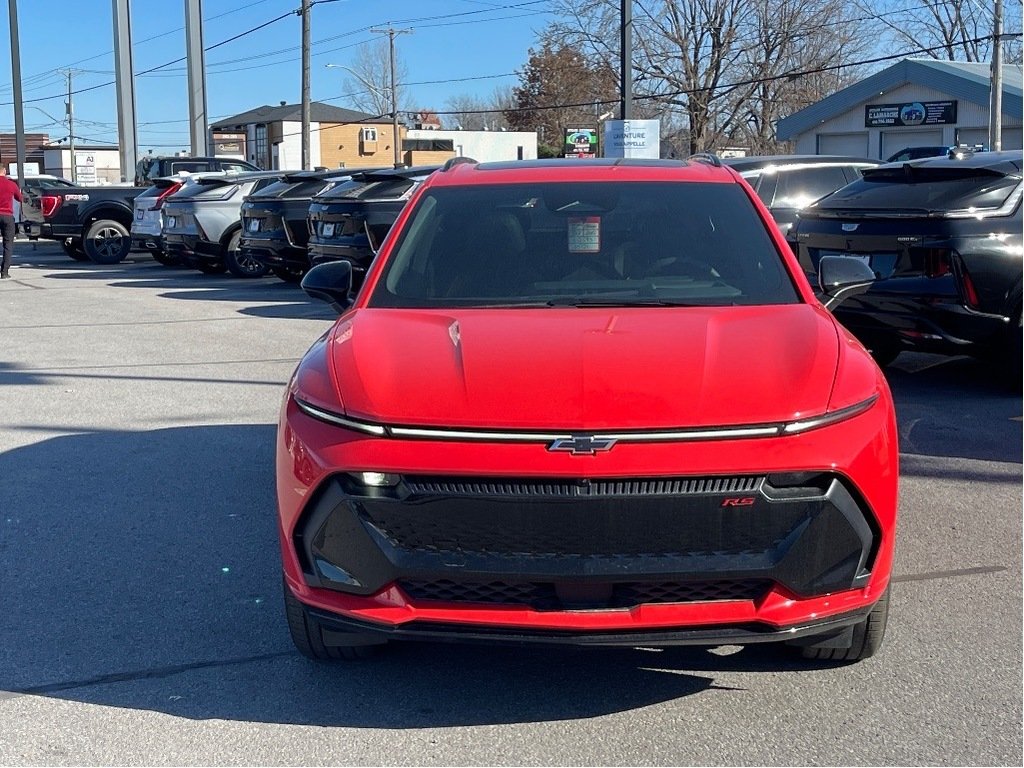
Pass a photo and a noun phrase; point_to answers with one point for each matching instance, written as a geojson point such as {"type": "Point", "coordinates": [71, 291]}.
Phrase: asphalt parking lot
{"type": "Point", "coordinates": [140, 610]}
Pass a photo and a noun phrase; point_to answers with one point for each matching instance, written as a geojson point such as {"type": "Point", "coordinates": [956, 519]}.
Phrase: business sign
{"type": "Point", "coordinates": [580, 142]}
{"type": "Point", "coordinates": [632, 138]}
{"type": "Point", "coordinates": [85, 168]}
{"type": "Point", "coordinates": [910, 114]}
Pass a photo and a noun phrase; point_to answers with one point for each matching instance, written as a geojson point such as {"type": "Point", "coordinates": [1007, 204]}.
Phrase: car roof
{"type": "Point", "coordinates": [240, 177]}
{"type": "Point", "coordinates": [1009, 162]}
{"type": "Point", "coordinates": [296, 177]}
{"type": "Point", "coordinates": [462, 171]}
{"type": "Point", "coordinates": [755, 162]}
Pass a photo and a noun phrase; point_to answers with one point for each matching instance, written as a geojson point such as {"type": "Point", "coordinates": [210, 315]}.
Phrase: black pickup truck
{"type": "Point", "coordinates": [91, 223]}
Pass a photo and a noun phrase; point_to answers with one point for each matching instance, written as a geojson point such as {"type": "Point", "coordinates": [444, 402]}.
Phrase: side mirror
{"type": "Point", "coordinates": [330, 282]}
{"type": "Point", "coordinates": [840, 277]}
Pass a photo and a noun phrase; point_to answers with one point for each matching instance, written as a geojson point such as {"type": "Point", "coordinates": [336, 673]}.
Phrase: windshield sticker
{"type": "Point", "coordinates": [584, 234]}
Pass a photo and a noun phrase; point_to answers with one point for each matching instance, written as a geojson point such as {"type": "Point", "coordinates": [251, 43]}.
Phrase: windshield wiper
{"type": "Point", "coordinates": [583, 301]}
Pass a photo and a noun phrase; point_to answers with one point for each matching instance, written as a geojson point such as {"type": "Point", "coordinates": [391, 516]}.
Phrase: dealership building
{"type": "Point", "coordinates": [916, 102]}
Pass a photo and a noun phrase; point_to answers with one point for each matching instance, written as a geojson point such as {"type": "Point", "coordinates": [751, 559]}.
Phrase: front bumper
{"type": "Point", "coordinates": [726, 634]}
{"type": "Point", "coordinates": [496, 555]}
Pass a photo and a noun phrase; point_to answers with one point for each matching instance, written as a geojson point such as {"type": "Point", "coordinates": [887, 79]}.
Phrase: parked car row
{"type": "Point", "coordinates": [281, 222]}
{"type": "Point", "coordinates": [941, 234]}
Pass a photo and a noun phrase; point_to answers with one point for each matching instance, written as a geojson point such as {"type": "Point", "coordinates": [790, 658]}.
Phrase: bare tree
{"type": "Point", "coordinates": [705, 67]}
{"type": "Point", "coordinates": [956, 30]}
{"type": "Point", "coordinates": [476, 113]}
{"type": "Point", "coordinates": [369, 80]}
{"type": "Point", "coordinates": [796, 54]}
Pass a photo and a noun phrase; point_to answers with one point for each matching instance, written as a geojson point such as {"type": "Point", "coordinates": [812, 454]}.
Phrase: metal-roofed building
{"type": "Point", "coordinates": [916, 102]}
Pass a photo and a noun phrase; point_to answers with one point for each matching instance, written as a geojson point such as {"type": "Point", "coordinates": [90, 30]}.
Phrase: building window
{"type": "Point", "coordinates": [369, 134]}
{"type": "Point", "coordinates": [260, 157]}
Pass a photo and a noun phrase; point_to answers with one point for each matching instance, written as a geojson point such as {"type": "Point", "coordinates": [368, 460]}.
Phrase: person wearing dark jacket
{"type": "Point", "coordinates": [9, 192]}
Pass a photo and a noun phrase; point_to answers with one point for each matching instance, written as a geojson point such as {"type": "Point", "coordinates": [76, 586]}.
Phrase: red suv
{"type": "Point", "coordinates": [587, 402]}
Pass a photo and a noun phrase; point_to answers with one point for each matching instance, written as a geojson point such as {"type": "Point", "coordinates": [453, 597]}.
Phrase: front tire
{"type": "Point", "coordinates": [307, 634]}
{"type": "Point", "coordinates": [107, 242]}
{"type": "Point", "coordinates": [73, 248]}
{"type": "Point", "coordinates": [867, 637]}
{"type": "Point", "coordinates": [239, 264]}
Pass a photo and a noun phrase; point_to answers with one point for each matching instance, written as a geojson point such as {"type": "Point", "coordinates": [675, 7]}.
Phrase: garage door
{"type": "Point", "coordinates": [972, 136]}
{"type": "Point", "coordinates": [855, 144]}
{"type": "Point", "coordinates": [894, 141]}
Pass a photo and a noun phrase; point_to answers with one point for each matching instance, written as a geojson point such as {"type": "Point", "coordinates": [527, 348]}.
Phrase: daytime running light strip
{"type": "Point", "coordinates": [714, 433]}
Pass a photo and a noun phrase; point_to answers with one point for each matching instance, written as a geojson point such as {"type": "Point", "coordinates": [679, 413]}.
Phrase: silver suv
{"type": "Point", "coordinates": [202, 223]}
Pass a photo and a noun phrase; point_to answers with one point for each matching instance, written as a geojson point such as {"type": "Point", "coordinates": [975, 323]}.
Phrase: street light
{"type": "Point", "coordinates": [382, 94]}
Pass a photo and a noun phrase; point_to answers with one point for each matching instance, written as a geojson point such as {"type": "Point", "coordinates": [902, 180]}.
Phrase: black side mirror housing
{"type": "Point", "coordinates": [330, 282]}
{"type": "Point", "coordinates": [840, 277]}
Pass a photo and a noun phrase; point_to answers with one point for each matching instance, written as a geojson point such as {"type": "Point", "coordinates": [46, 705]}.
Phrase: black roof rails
{"type": "Point", "coordinates": [709, 158]}
{"type": "Point", "coordinates": [453, 161]}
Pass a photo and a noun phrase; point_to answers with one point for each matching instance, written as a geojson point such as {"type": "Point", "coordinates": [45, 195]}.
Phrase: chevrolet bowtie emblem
{"type": "Point", "coordinates": [582, 444]}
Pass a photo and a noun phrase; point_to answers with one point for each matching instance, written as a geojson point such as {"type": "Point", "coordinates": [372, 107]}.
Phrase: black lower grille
{"type": "Point", "coordinates": [672, 486]}
{"type": "Point", "coordinates": [458, 539]}
{"type": "Point", "coordinates": [549, 596]}
{"type": "Point", "coordinates": [664, 531]}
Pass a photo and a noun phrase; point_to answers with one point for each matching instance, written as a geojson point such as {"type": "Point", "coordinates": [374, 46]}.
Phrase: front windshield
{"type": "Point", "coordinates": [585, 244]}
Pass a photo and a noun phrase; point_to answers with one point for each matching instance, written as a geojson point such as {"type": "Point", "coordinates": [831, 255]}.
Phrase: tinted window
{"type": "Point", "coordinates": [292, 189]}
{"type": "Point", "coordinates": [47, 183]}
{"type": "Point", "coordinates": [607, 243]}
{"type": "Point", "coordinates": [925, 189]}
{"type": "Point", "coordinates": [802, 186]}
{"type": "Point", "coordinates": [235, 167]}
{"type": "Point", "coordinates": [374, 189]}
{"type": "Point", "coordinates": [262, 184]}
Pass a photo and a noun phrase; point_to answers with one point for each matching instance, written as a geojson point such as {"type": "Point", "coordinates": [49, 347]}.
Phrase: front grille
{"type": "Point", "coordinates": [646, 518]}
{"type": "Point", "coordinates": [635, 487]}
{"type": "Point", "coordinates": [549, 596]}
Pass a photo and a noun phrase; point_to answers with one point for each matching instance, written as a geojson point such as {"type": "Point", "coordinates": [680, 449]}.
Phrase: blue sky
{"type": "Point", "coordinates": [452, 41]}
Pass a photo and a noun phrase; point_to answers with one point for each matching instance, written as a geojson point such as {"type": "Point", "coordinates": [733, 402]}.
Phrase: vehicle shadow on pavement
{"type": "Point", "coordinates": [141, 570]}
{"type": "Point", "coordinates": [268, 297]}
{"type": "Point", "coordinates": [955, 407]}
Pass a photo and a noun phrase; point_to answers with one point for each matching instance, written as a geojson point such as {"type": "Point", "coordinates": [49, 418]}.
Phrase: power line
{"type": "Point", "coordinates": [165, 64]}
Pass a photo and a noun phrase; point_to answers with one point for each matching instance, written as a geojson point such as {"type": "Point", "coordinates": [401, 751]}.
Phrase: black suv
{"type": "Point", "coordinates": [786, 183]}
{"type": "Point", "coordinates": [943, 236]}
{"type": "Point", "coordinates": [274, 230]}
{"type": "Point", "coordinates": [154, 167]}
{"type": "Point", "coordinates": [350, 221]}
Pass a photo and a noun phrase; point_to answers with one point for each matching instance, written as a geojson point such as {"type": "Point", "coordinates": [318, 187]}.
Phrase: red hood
{"type": "Point", "coordinates": [586, 369]}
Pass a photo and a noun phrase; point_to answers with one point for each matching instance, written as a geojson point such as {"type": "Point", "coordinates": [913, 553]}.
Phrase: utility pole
{"type": "Point", "coordinates": [19, 114]}
{"type": "Point", "coordinates": [305, 85]}
{"type": "Point", "coordinates": [125, 86]}
{"type": "Point", "coordinates": [626, 60]}
{"type": "Point", "coordinates": [995, 112]}
{"type": "Point", "coordinates": [196, 66]}
{"type": "Point", "coordinates": [397, 141]}
{"type": "Point", "coordinates": [70, 109]}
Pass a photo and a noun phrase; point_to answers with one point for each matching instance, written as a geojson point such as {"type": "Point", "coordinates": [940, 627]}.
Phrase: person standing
{"type": "Point", "coordinates": [9, 192]}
